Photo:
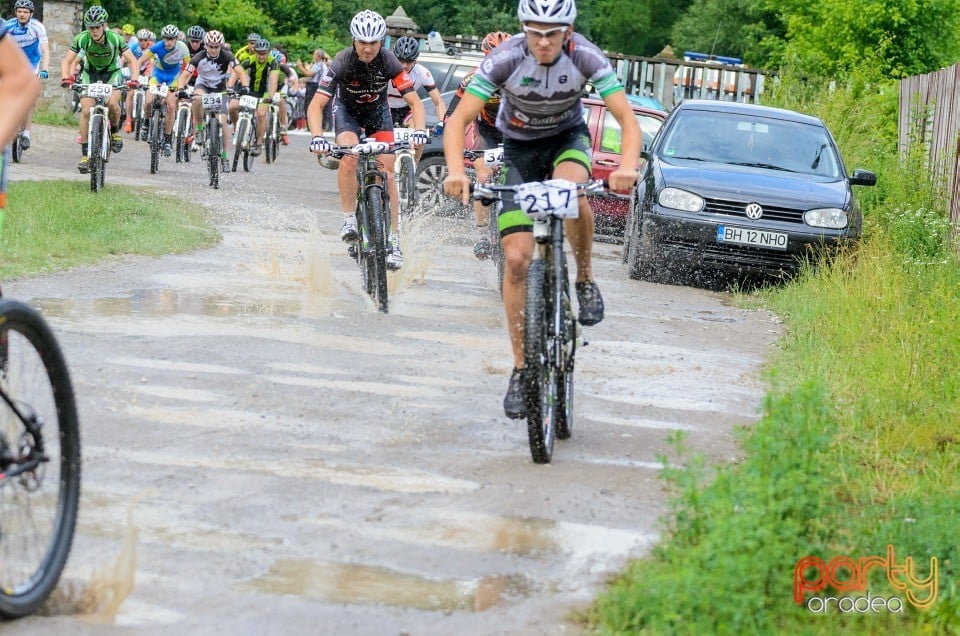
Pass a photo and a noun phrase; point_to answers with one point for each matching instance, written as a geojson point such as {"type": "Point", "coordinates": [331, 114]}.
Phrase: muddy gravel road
{"type": "Point", "coordinates": [266, 453]}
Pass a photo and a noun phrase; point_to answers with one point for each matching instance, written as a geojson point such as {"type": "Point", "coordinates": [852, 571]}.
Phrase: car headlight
{"type": "Point", "coordinates": [676, 199]}
{"type": "Point", "coordinates": [833, 218]}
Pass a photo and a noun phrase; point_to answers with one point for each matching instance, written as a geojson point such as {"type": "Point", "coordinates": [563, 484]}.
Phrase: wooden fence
{"type": "Point", "coordinates": [670, 81]}
{"type": "Point", "coordinates": [930, 116]}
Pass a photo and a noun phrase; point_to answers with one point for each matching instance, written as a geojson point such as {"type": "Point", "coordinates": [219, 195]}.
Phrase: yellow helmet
{"type": "Point", "coordinates": [128, 29]}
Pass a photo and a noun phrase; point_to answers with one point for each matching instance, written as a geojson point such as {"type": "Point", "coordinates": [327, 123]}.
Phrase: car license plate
{"type": "Point", "coordinates": [756, 238]}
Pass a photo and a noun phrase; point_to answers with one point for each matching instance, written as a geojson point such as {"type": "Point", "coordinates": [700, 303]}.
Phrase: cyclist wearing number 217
{"type": "Point", "coordinates": [359, 76]}
{"type": "Point", "coordinates": [19, 89]}
{"type": "Point", "coordinates": [541, 75]}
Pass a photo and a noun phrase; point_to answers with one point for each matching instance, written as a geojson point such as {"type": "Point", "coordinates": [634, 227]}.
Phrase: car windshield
{"type": "Point", "coordinates": [610, 134]}
{"type": "Point", "coordinates": [749, 140]}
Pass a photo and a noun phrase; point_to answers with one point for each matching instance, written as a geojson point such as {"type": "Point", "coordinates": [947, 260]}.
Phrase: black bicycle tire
{"type": "Point", "coordinates": [16, 149]}
{"type": "Point", "coordinates": [213, 156]}
{"type": "Point", "coordinates": [496, 248]}
{"type": "Point", "coordinates": [538, 374]}
{"type": "Point", "coordinates": [178, 140]}
{"type": "Point", "coordinates": [154, 140]}
{"type": "Point", "coordinates": [29, 323]}
{"type": "Point", "coordinates": [378, 244]}
{"type": "Point", "coordinates": [94, 158]}
{"type": "Point", "coordinates": [565, 383]}
{"type": "Point", "coordinates": [407, 185]}
{"type": "Point", "coordinates": [269, 151]}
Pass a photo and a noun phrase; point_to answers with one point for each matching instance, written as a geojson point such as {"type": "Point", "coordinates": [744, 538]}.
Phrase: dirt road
{"type": "Point", "coordinates": [265, 453]}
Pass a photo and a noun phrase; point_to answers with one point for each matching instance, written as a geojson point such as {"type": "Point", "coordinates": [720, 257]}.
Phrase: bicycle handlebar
{"type": "Point", "coordinates": [380, 148]}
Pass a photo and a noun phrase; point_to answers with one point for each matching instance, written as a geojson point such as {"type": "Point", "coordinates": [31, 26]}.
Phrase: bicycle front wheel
{"type": "Point", "coordinates": [541, 376]}
{"type": "Point", "coordinates": [156, 130]}
{"type": "Point", "coordinates": [213, 154]}
{"type": "Point", "coordinates": [377, 244]}
{"type": "Point", "coordinates": [16, 149]}
{"type": "Point", "coordinates": [94, 151]}
{"type": "Point", "coordinates": [40, 469]}
{"type": "Point", "coordinates": [407, 185]}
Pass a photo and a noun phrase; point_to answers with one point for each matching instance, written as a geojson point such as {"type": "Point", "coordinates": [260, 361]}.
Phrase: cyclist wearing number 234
{"type": "Point", "coordinates": [541, 75]}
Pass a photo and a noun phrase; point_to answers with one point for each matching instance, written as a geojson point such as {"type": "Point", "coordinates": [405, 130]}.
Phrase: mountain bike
{"type": "Point", "coordinates": [158, 118]}
{"type": "Point", "coordinates": [16, 148]}
{"type": "Point", "coordinates": [245, 133]}
{"type": "Point", "coordinates": [183, 125]}
{"type": "Point", "coordinates": [550, 329]}
{"type": "Point", "coordinates": [405, 172]}
{"type": "Point", "coordinates": [39, 460]}
{"type": "Point", "coordinates": [212, 151]}
{"type": "Point", "coordinates": [493, 158]}
{"type": "Point", "coordinates": [138, 117]}
{"type": "Point", "coordinates": [373, 215]}
{"type": "Point", "coordinates": [98, 130]}
{"type": "Point", "coordinates": [271, 138]}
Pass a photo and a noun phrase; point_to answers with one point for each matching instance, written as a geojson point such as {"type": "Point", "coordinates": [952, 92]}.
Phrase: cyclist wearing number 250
{"type": "Point", "coordinates": [541, 75]}
{"type": "Point", "coordinates": [102, 49]}
{"type": "Point", "coordinates": [358, 77]}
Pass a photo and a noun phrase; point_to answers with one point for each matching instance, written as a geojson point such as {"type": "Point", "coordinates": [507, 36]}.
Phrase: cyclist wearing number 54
{"type": "Point", "coordinates": [358, 77]}
{"type": "Point", "coordinates": [102, 49]}
{"type": "Point", "coordinates": [541, 75]}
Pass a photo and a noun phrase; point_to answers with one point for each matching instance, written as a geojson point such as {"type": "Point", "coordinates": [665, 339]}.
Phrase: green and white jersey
{"type": "Point", "coordinates": [102, 57]}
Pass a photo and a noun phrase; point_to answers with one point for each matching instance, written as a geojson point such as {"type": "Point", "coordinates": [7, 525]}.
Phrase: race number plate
{"type": "Point", "coordinates": [556, 197]}
{"type": "Point", "coordinates": [402, 134]}
{"type": "Point", "coordinates": [248, 101]}
{"type": "Point", "coordinates": [160, 89]}
{"type": "Point", "coordinates": [99, 89]}
{"type": "Point", "coordinates": [211, 101]}
{"type": "Point", "coordinates": [756, 238]}
{"type": "Point", "coordinates": [493, 156]}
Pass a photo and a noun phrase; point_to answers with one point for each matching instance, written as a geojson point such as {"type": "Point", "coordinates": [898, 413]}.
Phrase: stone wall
{"type": "Point", "coordinates": [63, 20]}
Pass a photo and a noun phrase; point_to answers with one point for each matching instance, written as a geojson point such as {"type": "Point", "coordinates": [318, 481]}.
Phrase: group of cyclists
{"type": "Point", "coordinates": [525, 95]}
{"type": "Point", "coordinates": [189, 63]}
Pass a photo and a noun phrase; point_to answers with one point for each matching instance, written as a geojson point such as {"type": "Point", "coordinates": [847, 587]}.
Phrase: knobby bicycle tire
{"type": "Point", "coordinates": [155, 131]}
{"type": "Point", "coordinates": [540, 375]}
{"type": "Point", "coordinates": [565, 368]}
{"type": "Point", "coordinates": [407, 186]}
{"type": "Point", "coordinates": [377, 244]}
{"type": "Point", "coordinates": [496, 248]}
{"type": "Point", "coordinates": [269, 140]}
{"type": "Point", "coordinates": [16, 149]}
{"type": "Point", "coordinates": [34, 377]}
{"type": "Point", "coordinates": [213, 153]}
{"type": "Point", "coordinates": [95, 152]}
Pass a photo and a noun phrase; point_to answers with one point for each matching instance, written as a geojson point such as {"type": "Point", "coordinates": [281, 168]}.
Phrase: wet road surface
{"type": "Point", "coordinates": [266, 453]}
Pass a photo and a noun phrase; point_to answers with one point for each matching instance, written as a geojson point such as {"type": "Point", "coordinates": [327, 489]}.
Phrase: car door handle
{"type": "Point", "coordinates": [607, 162]}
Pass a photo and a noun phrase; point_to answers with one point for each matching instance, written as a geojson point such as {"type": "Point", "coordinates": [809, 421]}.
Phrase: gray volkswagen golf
{"type": "Point", "coordinates": [742, 188]}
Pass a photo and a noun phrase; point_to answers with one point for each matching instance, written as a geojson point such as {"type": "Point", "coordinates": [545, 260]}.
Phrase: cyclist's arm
{"type": "Point", "coordinates": [631, 137]}
{"type": "Point", "coordinates": [454, 132]}
{"type": "Point", "coordinates": [272, 83]}
{"type": "Point", "coordinates": [19, 88]}
{"type": "Point", "coordinates": [133, 62]}
{"type": "Point", "coordinates": [66, 66]}
{"type": "Point", "coordinates": [241, 74]}
{"type": "Point", "coordinates": [315, 113]}
{"type": "Point", "coordinates": [45, 55]}
{"type": "Point", "coordinates": [438, 102]}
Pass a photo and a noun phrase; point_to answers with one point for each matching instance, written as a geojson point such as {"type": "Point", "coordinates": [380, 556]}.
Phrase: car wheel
{"type": "Point", "coordinates": [628, 227]}
{"type": "Point", "coordinates": [643, 260]}
{"type": "Point", "coordinates": [431, 171]}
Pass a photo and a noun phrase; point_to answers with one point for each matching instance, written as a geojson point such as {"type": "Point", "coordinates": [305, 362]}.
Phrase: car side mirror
{"type": "Point", "coordinates": [863, 177]}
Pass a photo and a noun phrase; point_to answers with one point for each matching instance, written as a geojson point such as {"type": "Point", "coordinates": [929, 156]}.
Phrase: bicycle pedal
{"type": "Point", "coordinates": [352, 250]}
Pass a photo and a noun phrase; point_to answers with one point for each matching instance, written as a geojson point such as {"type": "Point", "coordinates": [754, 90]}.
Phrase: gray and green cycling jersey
{"type": "Point", "coordinates": [540, 100]}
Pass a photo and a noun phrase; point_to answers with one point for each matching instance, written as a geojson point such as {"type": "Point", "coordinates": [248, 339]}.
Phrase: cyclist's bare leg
{"type": "Point", "coordinates": [517, 254]}
{"type": "Point", "coordinates": [224, 134]}
{"type": "Point", "coordinates": [579, 231]}
{"type": "Point", "coordinates": [113, 105]}
{"type": "Point", "coordinates": [283, 114]}
{"type": "Point", "coordinates": [482, 212]}
{"type": "Point", "coordinates": [85, 104]}
{"type": "Point", "coordinates": [346, 174]}
{"type": "Point", "coordinates": [261, 123]}
{"type": "Point", "coordinates": [197, 108]}
{"type": "Point", "coordinates": [171, 111]}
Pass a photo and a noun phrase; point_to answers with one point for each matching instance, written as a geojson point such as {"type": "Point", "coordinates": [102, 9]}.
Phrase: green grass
{"type": "Point", "coordinates": [54, 115]}
{"type": "Point", "coordinates": [858, 447]}
{"type": "Point", "coordinates": [54, 225]}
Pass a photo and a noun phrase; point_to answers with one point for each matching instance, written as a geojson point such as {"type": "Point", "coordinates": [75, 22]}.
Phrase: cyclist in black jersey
{"type": "Point", "coordinates": [358, 77]}
{"type": "Point", "coordinates": [541, 76]}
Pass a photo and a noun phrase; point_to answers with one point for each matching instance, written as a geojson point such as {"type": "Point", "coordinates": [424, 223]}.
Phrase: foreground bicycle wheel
{"type": "Point", "coordinates": [541, 376]}
{"type": "Point", "coordinates": [377, 245]}
{"type": "Point", "coordinates": [39, 460]}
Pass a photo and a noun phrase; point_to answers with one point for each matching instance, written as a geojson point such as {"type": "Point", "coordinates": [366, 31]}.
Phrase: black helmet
{"type": "Point", "coordinates": [407, 48]}
{"type": "Point", "coordinates": [23, 4]}
{"type": "Point", "coordinates": [261, 45]}
{"type": "Point", "coordinates": [195, 32]}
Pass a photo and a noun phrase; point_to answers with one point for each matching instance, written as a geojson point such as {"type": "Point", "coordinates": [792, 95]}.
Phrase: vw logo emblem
{"type": "Point", "coordinates": [754, 211]}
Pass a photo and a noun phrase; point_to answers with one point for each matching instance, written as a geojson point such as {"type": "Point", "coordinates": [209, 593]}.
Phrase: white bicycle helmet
{"type": "Point", "coordinates": [169, 31]}
{"type": "Point", "coordinates": [368, 26]}
{"type": "Point", "coordinates": [213, 38]}
{"type": "Point", "coordinates": [143, 35]}
{"type": "Point", "coordinates": [547, 11]}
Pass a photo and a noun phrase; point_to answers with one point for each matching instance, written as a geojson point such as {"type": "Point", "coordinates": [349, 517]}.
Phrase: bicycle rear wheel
{"type": "Point", "coordinates": [39, 502]}
{"type": "Point", "coordinates": [377, 245]}
{"type": "Point", "coordinates": [541, 376]}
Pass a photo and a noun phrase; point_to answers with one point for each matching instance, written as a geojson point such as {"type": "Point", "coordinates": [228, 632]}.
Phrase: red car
{"type": "Point", "coordinates": [611, 214]}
